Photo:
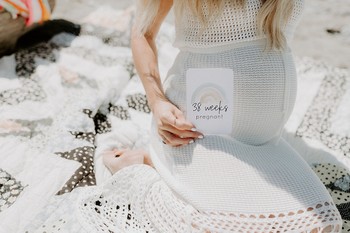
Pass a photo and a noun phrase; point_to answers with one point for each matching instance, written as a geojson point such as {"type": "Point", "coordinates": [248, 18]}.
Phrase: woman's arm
{"type": "Point", "coordinates": [172, 125]}
{"type": "Point", "coordinates": [145, 55]}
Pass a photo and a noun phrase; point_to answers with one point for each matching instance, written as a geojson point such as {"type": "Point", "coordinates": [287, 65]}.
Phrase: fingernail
{"type": "Point", "coordinates": [200, 136]}
{"type": "Point", "coordinates": [192, 141]}
{"type": "Point", "coordinates": [194, 129]}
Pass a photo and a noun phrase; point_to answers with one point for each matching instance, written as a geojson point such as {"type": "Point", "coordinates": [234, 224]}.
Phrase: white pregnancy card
{"type": "Point", "coordinates": [209, 99]}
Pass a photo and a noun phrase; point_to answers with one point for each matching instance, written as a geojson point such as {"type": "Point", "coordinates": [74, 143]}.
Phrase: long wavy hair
{"type": "Point", "coordinates": [271, 19]}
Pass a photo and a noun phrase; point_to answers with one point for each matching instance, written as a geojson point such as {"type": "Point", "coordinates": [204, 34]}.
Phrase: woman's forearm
{"type": "Point", "coordinates": [146, 63]}
{"type": "Point", "coordinates": [172, 125]}
{"type": "Point", "coordinates": [145, 55]}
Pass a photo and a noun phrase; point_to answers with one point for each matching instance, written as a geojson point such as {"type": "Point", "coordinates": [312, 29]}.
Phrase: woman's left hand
{"type": "Point", "coordinates": [118, 159]}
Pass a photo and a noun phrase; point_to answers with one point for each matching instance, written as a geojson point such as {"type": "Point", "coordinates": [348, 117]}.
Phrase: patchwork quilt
{"type": "Point", "coordinates": [64, 102]}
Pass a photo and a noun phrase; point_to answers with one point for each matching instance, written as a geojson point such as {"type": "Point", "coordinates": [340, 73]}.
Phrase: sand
{"type": "Point", "coordinates": [311, 38]}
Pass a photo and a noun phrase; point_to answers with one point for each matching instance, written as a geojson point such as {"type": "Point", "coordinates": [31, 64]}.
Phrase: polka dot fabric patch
{"type": "Point", "coordinates": [88, 112]}
{"type": "Point", "coordinates": [340, 197]}
{"type": "Point", "coordinates": [87, 136]}
{"type": "Point", "coordinates": [102, 124]}
{"type": "Point", "coordinates": [10, 189]}
{"type": "Point", "coordinates": [138, 102]}
{"type": "Point", "coordinates": [329, 173]}
{"type": "Point", "coordinates": [120, 111]}
{"type": "Point", "coordinates": [84, 175]}
{"type": "Point", "coordinates": [346, 226]}
{"type": "Point", "coordinates": [337, 181]}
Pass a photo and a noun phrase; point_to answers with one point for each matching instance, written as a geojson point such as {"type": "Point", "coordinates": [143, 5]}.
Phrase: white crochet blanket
{"type": "Point", "coordinates": [63, 103]}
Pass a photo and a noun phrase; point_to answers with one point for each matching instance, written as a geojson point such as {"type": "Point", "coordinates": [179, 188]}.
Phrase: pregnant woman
{"type": "Point", "coordinates": [245, 179]}
{"type": "Point", "coordinates": [250, 180]}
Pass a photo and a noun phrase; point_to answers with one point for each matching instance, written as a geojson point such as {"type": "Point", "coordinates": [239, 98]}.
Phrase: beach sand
{"type": "Point", "coordinates": [311, 37]}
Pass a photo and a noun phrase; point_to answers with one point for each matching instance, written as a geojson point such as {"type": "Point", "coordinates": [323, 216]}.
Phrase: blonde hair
{"type": "Point", "coordinates": [271, 20]}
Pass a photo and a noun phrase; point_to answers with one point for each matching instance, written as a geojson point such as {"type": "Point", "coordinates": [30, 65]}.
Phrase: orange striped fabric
{"type": "Point", "coordinates": [35, 11]}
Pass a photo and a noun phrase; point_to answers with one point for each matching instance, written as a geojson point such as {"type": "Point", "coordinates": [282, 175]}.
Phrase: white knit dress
{"type": "Point", "coordinates": [252, 179]}
{"type": "Point", "coordinates": [249, 181]}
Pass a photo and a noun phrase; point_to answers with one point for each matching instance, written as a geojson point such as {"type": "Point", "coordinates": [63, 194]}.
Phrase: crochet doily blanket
{"type": "Point", "coordinates": [65, 102]}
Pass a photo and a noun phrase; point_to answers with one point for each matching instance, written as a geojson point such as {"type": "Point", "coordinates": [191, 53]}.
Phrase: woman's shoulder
{"type": "Point", "coordinates": [298, 10]}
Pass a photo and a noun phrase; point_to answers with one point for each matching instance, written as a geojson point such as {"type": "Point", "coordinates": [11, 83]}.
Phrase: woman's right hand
{"type": "Point", "coordinates": [173, 128]}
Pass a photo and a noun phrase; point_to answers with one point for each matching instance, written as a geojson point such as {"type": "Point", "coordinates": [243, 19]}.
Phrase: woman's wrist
{"type": "Point", "coordinates": [154, 89]}
{"type": "Point", "coordinates": [155, 99]}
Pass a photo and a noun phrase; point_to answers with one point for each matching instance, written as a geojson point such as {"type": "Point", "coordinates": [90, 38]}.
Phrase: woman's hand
{"type": "Point", "coordinates": [173, 128]}
{"type": "Point", "coordinates": [117, 159]}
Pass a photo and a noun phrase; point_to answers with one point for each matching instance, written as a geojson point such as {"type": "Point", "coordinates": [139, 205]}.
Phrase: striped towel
{"type": "Point", "coordinates": [35, 11]}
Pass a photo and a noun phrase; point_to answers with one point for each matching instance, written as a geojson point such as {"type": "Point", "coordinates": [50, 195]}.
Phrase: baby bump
{"type": "Point", "coordinates": [264, 88]}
